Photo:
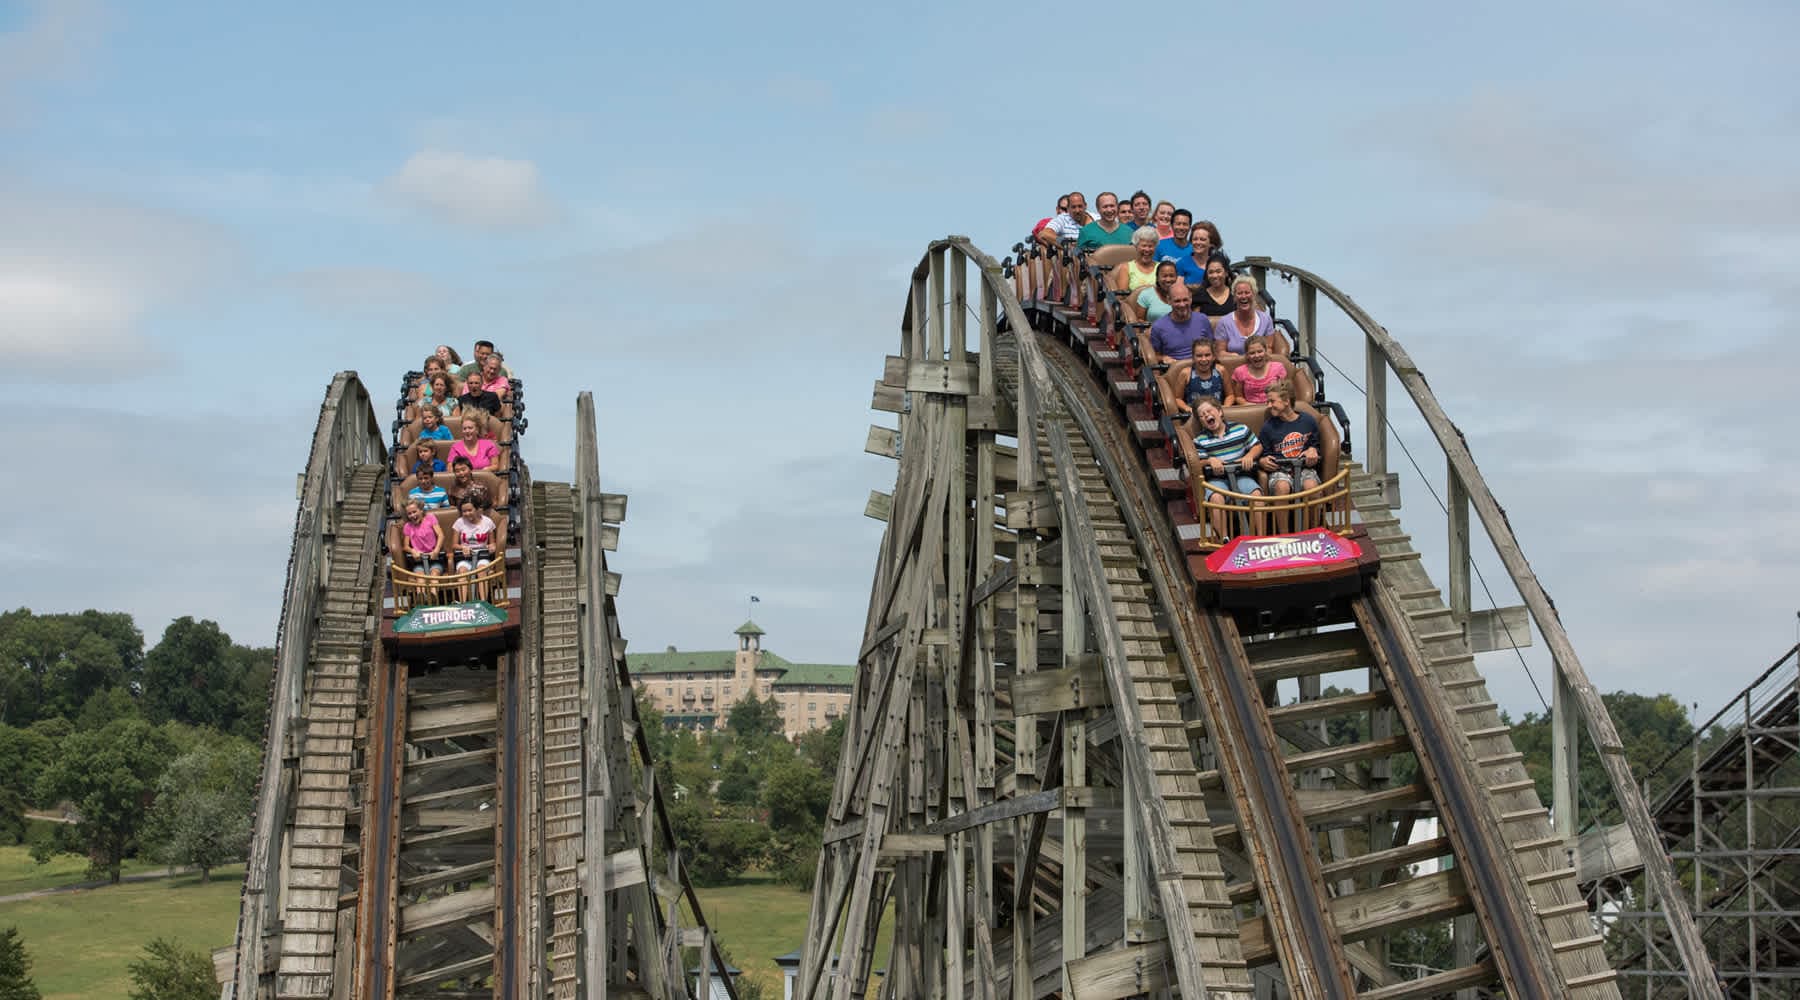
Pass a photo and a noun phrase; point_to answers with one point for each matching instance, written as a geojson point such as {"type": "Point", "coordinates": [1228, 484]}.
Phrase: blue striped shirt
{"type": "Point", "coordinates": [1231, 444]}
{"type": "Point", "coordinates": [430, 499]}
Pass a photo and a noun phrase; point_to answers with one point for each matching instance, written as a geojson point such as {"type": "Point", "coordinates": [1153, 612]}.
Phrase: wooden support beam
{"type": "Point", "coordinates": [1129, 971]}
{"type": "Point", "coordinates": [612, 508]}
{"type": "Point", "coordinates": [1437, 984]}
{"type": "Point", "coordinates": [1376, 911]}
{"type": "Point", "coordinates": [880, 505]}
{"type": "Point", "coordinates": [988, 412]}
{"type": "Point", "coordinates": [1032, 509]}
{"type": "Point", "coordinates": [883, 441]}
{"type": "Point", "coordinates": [1047, 691]}
{"type": "Point", "coordinates": [1499, 628]}
{"type": "Point", "coordinates": [941, 377]}
{"type": "Point", "coordinates": [888, 399]}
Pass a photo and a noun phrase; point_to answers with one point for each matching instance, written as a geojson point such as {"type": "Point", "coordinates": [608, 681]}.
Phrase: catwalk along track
{"type": "Point", "coordinates": [1120, 731]}
{"type": "Point", "coordinates": [456, 798]}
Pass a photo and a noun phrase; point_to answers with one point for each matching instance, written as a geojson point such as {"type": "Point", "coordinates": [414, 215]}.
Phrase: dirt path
{"type": "Point", "coordinates": [96, 884]}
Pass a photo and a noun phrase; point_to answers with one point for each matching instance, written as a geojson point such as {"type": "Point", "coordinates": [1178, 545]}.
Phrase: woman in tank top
{"type": "Point", "coordinates": [1138, 273]}
{"type": "Point", "coordinates": [1153, 302]}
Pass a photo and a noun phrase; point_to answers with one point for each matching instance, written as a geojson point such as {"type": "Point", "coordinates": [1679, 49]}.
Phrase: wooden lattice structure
{"type": "Point", "coordinates": [1062, 775]}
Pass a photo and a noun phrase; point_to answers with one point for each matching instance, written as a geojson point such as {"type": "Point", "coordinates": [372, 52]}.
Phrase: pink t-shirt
{"type": "Point", "coordinates": [423, 537]}
{"type": "Point", "coordinates": [486, 452]}
{"type": "Point", "coordinates": [1256, 390]}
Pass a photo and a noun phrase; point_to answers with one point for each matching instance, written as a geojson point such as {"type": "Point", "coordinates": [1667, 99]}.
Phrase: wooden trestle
{"type": "Point", "coordinates": [1052, 776]}
{"type": "Point", "coordinates": [459, 829]}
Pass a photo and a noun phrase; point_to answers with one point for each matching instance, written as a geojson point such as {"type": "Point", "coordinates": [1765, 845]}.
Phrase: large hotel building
{"type": "Point", "coordinates": [695, 690]}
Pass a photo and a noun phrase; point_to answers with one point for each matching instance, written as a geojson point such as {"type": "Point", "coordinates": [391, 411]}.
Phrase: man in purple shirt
{"type": "Point", "coordinates": [1172, 337]}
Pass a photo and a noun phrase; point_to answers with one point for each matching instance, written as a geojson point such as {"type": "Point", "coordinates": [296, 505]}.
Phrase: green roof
{"type": "Point", "coordinates": [749, 628]}
{"type": "Point", "coordinates": [818, 673]}
{"type": "Point", "coordinates": [724, 661]}
{"type": "Point", "coordinates": [712, 660]}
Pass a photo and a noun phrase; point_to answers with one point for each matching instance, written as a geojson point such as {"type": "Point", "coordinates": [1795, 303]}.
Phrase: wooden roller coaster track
{"type": "Point", "coordinates": [1064, 775]}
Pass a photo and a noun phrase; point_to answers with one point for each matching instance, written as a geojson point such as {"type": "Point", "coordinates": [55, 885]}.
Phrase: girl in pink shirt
{"type": "Point", "coordinates": [423, 540]}
{"type": "Point", "coordinates": [481, 452]}
{"type": "Point", "coordinates": [1250, 381]}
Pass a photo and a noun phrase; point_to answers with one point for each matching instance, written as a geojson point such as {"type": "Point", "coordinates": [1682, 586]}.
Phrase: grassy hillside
{"type": "Point", "coordinates": [81, 942]}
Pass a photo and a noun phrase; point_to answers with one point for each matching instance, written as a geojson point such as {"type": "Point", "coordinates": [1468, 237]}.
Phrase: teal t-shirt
{"type": "Point", "coordinates": [1093, 236]}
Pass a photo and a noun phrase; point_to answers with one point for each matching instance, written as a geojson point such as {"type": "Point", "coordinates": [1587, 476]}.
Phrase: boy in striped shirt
{"type": "Point", "coordinates": [427, 492]}
{"type": "Point", "coordinates": [1227, 453]}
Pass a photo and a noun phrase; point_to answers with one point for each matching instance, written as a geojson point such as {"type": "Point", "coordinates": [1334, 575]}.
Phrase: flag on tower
{"type": "Point", "coordinates": [755, 599]}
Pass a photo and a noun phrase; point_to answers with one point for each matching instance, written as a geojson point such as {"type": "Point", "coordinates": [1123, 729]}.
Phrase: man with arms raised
{"type": "Point", "coordinates": [1107, 229]}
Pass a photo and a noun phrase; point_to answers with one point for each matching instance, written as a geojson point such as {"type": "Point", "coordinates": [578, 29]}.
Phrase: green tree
{"type": "Point", "coordinates": [25, 753]}
{"type": "Point", "coordinates": [15, 968]}
{"type": "Point", "coordinates": [110, 775]}
{"type": "Point", "coordinates": [170, 972]}
{"type": "Point", "coordinates": [755, 720]}
{"type": "Point", "coordinates": [796, 794]}
{"type": "Point", "coordinates": [737, 782]}
{"type": "Point", "coordinates": [256, 673]}
{"type": "Point", "coordinates": [192, 676]}
{"type": "Point", "coordinates": [51, 664]}
{"type": "Point", "coordinates": [716, 850]}
{"type": "Point", "coordinates": [1650, 727]}
{"type": "Point", "coordinates": [12, 816]}
{"type": "Point", "coordinates": [103, 707]}
{"type": "Point", "coordinates": [823, 747]}
{"type": "Point", "coordinates": [203, 803]}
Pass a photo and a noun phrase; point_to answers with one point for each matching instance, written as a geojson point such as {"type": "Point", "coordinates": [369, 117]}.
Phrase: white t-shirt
{"type": "Point", "coordinates": [477, 534]}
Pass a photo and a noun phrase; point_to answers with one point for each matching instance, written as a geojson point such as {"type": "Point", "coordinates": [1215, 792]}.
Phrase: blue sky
{"type": "Point", "coordinates": [1581, 219]}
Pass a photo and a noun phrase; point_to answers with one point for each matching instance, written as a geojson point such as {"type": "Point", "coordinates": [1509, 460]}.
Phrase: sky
{"type": "Point", "coordinates": [1581, 220]}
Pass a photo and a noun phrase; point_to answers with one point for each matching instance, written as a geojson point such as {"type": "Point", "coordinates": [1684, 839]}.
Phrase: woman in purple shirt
{"type": "Point", "coordinates": [1244, 321]}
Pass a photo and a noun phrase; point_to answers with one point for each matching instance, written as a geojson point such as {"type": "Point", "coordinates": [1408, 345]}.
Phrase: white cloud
{"type": "Point", "coordinates": [480, 192]}
{"type": "Point", "coordinates": [79, 275]}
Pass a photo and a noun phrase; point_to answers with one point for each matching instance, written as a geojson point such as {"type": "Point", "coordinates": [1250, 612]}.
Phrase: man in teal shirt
{"type": "Point", "coordinates": [1107, 228]}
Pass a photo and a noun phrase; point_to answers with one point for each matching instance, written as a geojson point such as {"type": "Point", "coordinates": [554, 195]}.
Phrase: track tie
{"type": "Point", "coordinates": [1574, 943]}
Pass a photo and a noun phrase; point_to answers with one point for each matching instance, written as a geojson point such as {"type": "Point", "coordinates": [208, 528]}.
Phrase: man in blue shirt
{"type": "Point", "coordinates": [1177, 247]}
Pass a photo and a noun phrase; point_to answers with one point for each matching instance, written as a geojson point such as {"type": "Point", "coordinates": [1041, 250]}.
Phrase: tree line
{"type": "Point", "coordinates": [746, 798]}
{"type": "Point", "coordinates": [150, 753]}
